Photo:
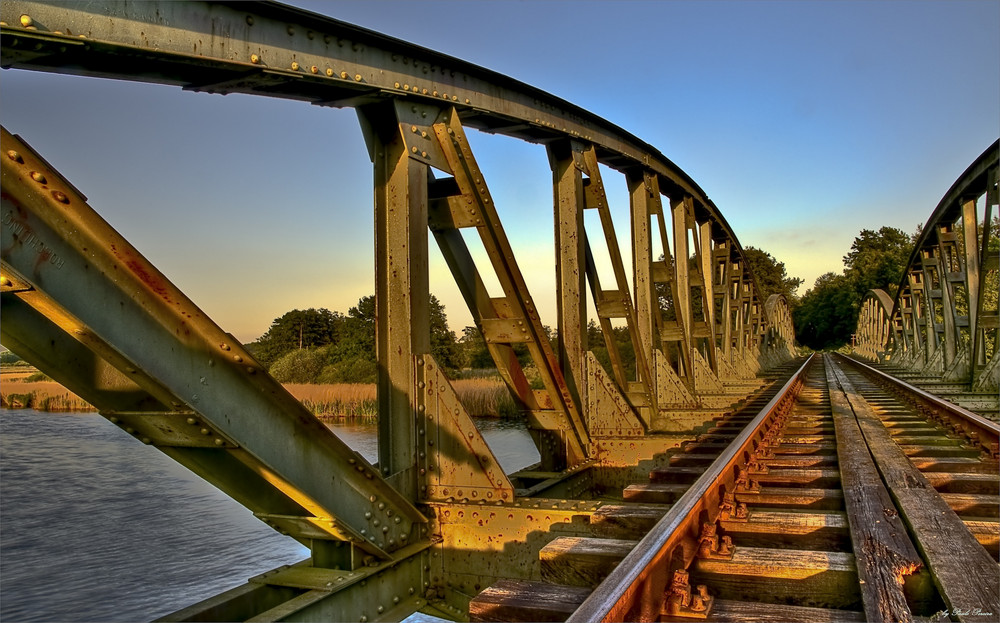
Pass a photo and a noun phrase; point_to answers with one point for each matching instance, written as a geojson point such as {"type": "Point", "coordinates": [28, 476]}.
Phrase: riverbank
{"type": "Point", "coordinates": [17, 392]}
{"type": "Point", "coordinates": [482, 397]}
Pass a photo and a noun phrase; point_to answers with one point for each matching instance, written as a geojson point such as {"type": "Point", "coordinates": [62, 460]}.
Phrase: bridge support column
{"type": "Point", "coordinates": [402, 327]}
{"type": "Point", "coordinates": [571, 293]}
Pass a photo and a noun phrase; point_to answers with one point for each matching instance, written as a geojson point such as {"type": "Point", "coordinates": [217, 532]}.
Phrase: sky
{"type": "Point", "coordinates": [805, 122]}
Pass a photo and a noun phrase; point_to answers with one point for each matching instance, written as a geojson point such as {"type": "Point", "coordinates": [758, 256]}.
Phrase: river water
{"type": "Point", "coordinates": [95, 526]}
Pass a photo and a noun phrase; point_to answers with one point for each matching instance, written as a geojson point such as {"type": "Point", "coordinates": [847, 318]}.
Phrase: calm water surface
{"type": "Point", "coordinates": [95, 526]}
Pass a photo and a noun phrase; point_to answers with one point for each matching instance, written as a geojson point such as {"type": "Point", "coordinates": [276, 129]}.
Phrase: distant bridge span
{"type": "Point", "coordinates": [88, 309]}
{"type": "Point", "coordinates": [942, 328]}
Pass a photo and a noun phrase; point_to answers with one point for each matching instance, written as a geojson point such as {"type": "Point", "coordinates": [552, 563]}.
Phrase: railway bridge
{"type": "Point", "coordinates": [727, 477]}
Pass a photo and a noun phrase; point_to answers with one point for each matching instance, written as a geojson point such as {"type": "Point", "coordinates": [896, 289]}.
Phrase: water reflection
{"type": "Point", "coordinates": [99, 527]}
{"type": "Point", "coordinates": [508, 439]}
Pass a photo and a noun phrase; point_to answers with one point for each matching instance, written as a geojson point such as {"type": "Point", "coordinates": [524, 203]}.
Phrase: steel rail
{"type": "Point", "coordinates": [267, 48]}
{"type": "Point", "coordinates": [987, 433]}
{"type": "Point", "coordinates": [680, 526]}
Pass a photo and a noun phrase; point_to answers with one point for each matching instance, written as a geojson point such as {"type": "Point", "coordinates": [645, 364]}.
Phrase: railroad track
{"type": "Point", "coordinates": [845, 498]}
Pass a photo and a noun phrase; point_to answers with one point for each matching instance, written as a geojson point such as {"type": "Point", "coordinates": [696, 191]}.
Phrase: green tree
{"type": "Point", "coordinates": [295, 330]}
{"type": "Point", "coordinates": [771, 276]}
{"type": "Point", "coordinates": [444, 345]}
{"type": "Point", "coordinates": [474, 352]}
{"type": "Point", "coordinates": [357, 337]}
{"type": "Point", "coordinates": [301, 365]}
{"type": "Point", "coordinates": [827, 314]}
{"type": "Point", "coordinates": [877, 260]}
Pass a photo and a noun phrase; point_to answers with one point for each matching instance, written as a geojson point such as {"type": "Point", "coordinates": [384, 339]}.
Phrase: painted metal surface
{"type": "Point", "coordinates": [437, 518]}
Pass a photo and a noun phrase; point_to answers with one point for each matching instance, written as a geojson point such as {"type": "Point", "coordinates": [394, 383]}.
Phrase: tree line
{"type": "Point", "coordinates": [826, 316]}
{"type": "Point", "coordinates": [323, 346]}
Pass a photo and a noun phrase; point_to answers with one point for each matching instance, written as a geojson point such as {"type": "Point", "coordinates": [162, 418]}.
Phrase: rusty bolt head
{"type": "Point", "coordinates": [26, 21]}
{"type": "Point", "coordinates": [60, 196]}
{"type": "Point", "coordinates": [38, 177]}
{"type": "Point", "coordinates": [314, 69]}
{"type": "Point", "coordinates": [295, 66]}
{"type": "Point", "coordinates": [16, 157]}
{"type": "Point", "coordinates": [343, 74]}
{"type": "Point", "coordinates": [329, 72]}
{"type": "Point", "coordinates": [254, 59]}
{"type": "Point", "coordinates": [237, 359]}
{"type": "Point", "coordinates": [357, 77]}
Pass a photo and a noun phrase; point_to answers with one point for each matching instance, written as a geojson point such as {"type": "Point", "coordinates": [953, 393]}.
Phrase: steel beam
{"type": "Point", "coordinates": [938, 325]}
{"type": "Point", "coordinates": [87, 280]}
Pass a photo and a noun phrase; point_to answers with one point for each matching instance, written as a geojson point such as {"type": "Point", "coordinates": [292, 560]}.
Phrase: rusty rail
{"type": "Point", "coordinates": [634, 590]}
{"type": "Point", "coordinates": [980, 431]}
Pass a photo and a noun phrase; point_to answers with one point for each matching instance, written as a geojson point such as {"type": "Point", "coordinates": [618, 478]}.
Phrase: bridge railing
{"type": "Point", "coordinates": [944, 321]}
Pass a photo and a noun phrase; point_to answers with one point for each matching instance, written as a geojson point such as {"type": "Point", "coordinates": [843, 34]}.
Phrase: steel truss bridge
{"type": "Point", "coordinates": [436, 520]}
{"type": "Point", "coordinates": [940, 330]}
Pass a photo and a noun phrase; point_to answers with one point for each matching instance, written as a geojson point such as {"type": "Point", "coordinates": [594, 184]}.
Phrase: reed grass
{"type": "Point", "coordinates": [482, 397]}
{"type": "Point", "coordinates": [41, 396]}
{"type": "Point", "coordinates": [337, 400]}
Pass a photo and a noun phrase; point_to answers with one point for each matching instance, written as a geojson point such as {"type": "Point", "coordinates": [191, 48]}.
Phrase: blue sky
{"type": "Point", "coordinates": [805, 122]}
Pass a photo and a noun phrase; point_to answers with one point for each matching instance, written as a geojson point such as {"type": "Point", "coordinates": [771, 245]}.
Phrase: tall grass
{"type": "Point", "coordinates": [481, 397]}
{"type": "Point", "coordinates": [340, 400]}
{"type": "Point", "coordinates": [41, 396]}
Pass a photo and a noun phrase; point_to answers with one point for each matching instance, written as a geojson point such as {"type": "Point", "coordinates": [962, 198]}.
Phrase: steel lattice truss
{"type": "Point", "coordinates": [85, 306]}
{"type": "Point", "coordinates": [943, 322]}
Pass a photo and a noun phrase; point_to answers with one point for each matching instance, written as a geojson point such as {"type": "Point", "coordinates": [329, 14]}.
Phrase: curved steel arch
{"type": "Point", "coordinates": [415, 106]}
{"type": "Point", "coordinates": [874, 326]}
{"type": "Point", "coordinates": [943, 321]}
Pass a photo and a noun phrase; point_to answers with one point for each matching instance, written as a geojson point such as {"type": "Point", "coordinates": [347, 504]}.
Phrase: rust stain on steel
{"type": "Point", "coordinates": [140, 270]}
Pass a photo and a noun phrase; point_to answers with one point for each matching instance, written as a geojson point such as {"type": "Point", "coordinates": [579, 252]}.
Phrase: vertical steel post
{"type": "Point", "coordinates": [571, 293]}
{"type": "Point", "coordinates": [706, 262]}
{"type": "Point", "coordinates": [682, 259]}
{"type": "Point", "coordinates": [970, 233]}
{"type": "Point", "coordinates": [643, 204]}
{"type": "Point", "coordinates": [402, 327]}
